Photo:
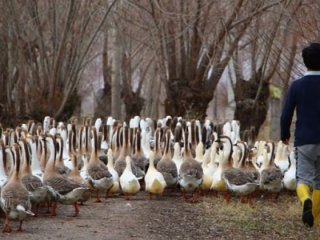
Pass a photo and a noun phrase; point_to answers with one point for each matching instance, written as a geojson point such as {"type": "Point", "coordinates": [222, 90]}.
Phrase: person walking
{"type": "Point", "coordinates": [304, 97]}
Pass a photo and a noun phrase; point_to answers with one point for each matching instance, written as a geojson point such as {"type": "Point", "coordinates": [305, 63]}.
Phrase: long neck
{"type": "Point", "coordinates": [94, 150]}
{"type": "Point", "coordinates": [128, 164]}
{"type": "Point", "coordinates": [26, 162]}
{"type": "Point", "coordinates": [151, 163]}
{"type": "Point", "coordinates": [52, 157]}
{"type": "Point", "coordinates": [187, 153]}
{"type": "Point", "coordinates": [213, 152]}
{"type": "Point", "coordinates": [35, 165]}
{"type": "Point", "coordinates": [167, 151]}
{"type": "Point", "coordinates": [177, 150]}
{"type": "Point", "coordinates": [125, 146]}
{"type": "Point", "coordinates": [3, 161]}
{"type": "Point", "coordinates": [110, 159]}
{"type": "Point", "coordinates": [16, 154]}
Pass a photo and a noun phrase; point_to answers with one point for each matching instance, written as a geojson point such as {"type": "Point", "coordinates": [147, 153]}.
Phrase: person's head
{"type": "Point", "coordinates": [311, 56]}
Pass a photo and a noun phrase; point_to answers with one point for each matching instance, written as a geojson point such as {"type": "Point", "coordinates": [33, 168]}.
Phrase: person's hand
{"type": "Point", "coordinates": [286, 141]}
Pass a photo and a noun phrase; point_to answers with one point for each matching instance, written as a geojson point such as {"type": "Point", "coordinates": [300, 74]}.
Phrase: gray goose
{"type": "Point", "coordinates": [14, 198]}
{"type": "Point", "coordinates": [191, 173]}
{"type": "Point", "coordinates": [38, 192]}
{"type": "Point", "coordinates": [60, 167]}
{"type": "Point", "coordinates": [270, 175]}
{"type": "Point", "coordinates": [239, 180]}
{"type": "Point", "coordinates": [70, 191]}
{"type": "Point", "coordinates": [138, 157]}
{"type": "Point", "coordinates": [166, 166]}
{"type": "Point", "coordinates": [99, 177]}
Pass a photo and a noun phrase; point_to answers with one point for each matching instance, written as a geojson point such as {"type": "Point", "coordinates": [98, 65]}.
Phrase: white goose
{"type": "Point", "coordinates": [210, 168]}
{"type": "Point", "coordinates": [35, 164]}
{"type": "Point", "coordinates": [115, 177]}
{"type": "Point", "coordinates": [154, 180]}
{"type": "Point", "coordinates": [289, 179]}
{"type": "Point", "coordinates": [128, 181]}
{"type": "Point", "coordinates": [281, 159]}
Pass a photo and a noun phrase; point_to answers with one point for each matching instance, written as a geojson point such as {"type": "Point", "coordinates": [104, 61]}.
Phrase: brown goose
{"type": "Point", "coordinates": [191, 173]}
{"type": "Point", "coordinates": [14, 198]}
{"type": "Point", "coordinates": [70, 191]}
{"type": "Point", "coordinates": [74, 175]}
{"type": "Point", "coordinates": [99, 177]}
{"type": "Point", "coordinates": [166, 166]}
{"type": "Point", "coordinates": [37, 190]}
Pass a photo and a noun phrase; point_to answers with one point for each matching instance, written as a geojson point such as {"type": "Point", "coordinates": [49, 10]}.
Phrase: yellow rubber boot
{"type": "Point", "coordinates": [303, 192]}
{"type": "Point", "coordinates": [316, 206]}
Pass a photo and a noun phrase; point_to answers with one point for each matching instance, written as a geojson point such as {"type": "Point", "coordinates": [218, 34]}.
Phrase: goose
{"type": "Point", "coordinates": [191, 173]}
{"type": "Point", "coordinates": [3, 165]}
{"type": "Point", "coordinates": [146, 132]}
{"type": "Point", "coordinates": [99, 177]}
{"type": "Point", "coordinates": [166, 166]}
{"type": "Point", "coordinates": [69, 191]}
{"type": "Point", "coordinates": [218, 184]}
{"type": "Point", "coordinates": [105, 140]}
{"type": "Point", "coordinates": [289, 179]}
{"type": "Point", "coordinates": [74, 175]}
{"type": "Point", "coordinates": [257, 152]}
{"type": "Point", "coordinates": [157, 146]}
{"type": "Point", "coordinates": [65, 155]}
{"type": "Point", "coordinates": [38, 192]}
{"type": "Point", "coordinates": [155, 182]}
{"type": "Point", "coordinates": [128, 181]}
{"type": "Point", "coordinates": [117, 142]}
{"type": "Point", "coordinates": [46, 124]}
{"type": "Point", "coordinates": [98, 124]}
{"type": "Point", "coordinates": [238, 179]}
{"type": "Point", "coordinates": [35, 164]}
{"type": "Point", "coordinates": [270, 176]}
{"type": "Point", "coordinates": [235, 134]}
{"type": "Point", "coordinates": [71, 149]}
{"type": "Point", "coordinates": [115, 177]}
{"type": "Point", "coordinates": [59, 163]}
{"type": "Point", "coordinates": [138, 157]}
{"type": "Point", "coordinates": [110, 122]}
{"type": "Point", "coordinates": [120, 163]}
{"type": "Point", "coordinates": [281, 158]}
{"type": "Point", "coordinates": [177, 157]}
{"type": "Point", "coordinates": [210, 168]}
{"type": "Point", "coordinates": [43, 152]}
{"type": "Point", "coordinates": [200, 148]}
{"type": "Point", "coordinates": [14, 199]}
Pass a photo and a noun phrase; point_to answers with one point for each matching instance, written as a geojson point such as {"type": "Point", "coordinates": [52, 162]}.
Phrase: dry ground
{"type": "Point", "coordinates": [171, 218]}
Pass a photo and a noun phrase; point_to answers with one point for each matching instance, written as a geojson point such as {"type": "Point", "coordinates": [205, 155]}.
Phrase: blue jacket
{"type": "Point", "coordinates": [304, 97]}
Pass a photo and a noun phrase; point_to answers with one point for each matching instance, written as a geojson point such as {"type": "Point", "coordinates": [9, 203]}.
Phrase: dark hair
{"type": "Point", "coordinates": [311, 56]}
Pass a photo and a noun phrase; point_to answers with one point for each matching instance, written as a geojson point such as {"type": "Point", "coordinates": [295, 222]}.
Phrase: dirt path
{"type": "Point", "coordinates": [170, 218]}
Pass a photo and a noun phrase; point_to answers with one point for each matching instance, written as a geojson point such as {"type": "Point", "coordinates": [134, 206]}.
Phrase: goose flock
{"type": "Point", "coordinates": [50, 163]}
